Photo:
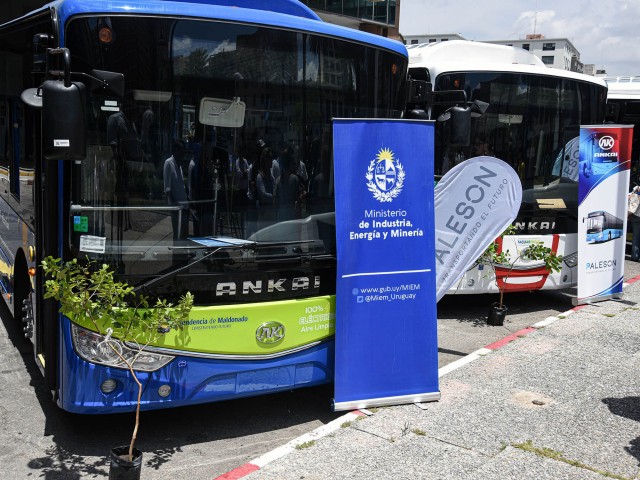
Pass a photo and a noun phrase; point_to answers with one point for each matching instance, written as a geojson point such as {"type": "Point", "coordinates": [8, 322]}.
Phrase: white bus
{"type": "Point", "coordinates": [532, 122]}
{"type": "Point", "coordinates": [623, 107]}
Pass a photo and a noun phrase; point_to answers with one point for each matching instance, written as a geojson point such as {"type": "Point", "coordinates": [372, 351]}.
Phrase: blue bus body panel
{"type": "Point", "coordinates": [288, 16]}
{"type": "Point", "coordinates": [289, 7]}
{"type": "Point", "coordinates": [192, 380]}
{"type": "Point", "coordinates": [604, 236]}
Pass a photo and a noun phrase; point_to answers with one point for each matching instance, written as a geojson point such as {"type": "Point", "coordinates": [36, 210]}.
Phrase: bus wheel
{"type": "Point", "coordinates": [22, 306]}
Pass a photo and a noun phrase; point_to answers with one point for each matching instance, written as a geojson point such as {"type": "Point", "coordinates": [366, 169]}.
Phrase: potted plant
{"type": "Point", "coordinates": [502, 263]}
{"type": "Point", "coordinates": [88, 290]}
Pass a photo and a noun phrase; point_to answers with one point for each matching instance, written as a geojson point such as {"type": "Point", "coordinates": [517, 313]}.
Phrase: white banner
{"type": "Point", "coordinates": [605, 162]}
{"type": "Point", "coordinates": [474, 203]}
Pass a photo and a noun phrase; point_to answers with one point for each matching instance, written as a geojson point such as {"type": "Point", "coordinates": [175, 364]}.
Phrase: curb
{"type": "Point", "coordinates": [261, 461]}
{"type": "Point", "coordinates": [324, 430]}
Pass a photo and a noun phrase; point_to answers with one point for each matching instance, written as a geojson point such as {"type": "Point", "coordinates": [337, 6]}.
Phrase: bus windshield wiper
{"type": "Point", "coordinates": [241, 245]}
{"type": "Point", "coordinates": [172, 273]}
{"type": "Point", "coordinates": [215, 246]}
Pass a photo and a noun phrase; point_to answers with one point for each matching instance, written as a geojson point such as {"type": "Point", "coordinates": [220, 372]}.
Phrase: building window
{"type": "Point", "coordinates": [381, 11]}
{"type": "Point", "coordinates": [432, 40]}
{"type": "Point", "coordinates": [414, 42]}
{"type": "Point", "coordinates": [525, 46]}
{"type": "Point", "coordinates": [334, 6]}
{"type": "Point", "coordinates": [444, 40]}
{"type": "Point", "coordinates": [548, 46]}
{"type": "Point", "coordinates": [351, 9]}
{"type": "Point", "coordinates": [319, 4]}
{"type": "Point", "coordinates": [547, 59]}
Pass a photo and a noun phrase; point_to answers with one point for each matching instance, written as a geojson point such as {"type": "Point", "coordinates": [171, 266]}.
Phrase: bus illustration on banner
{"type": "Point", "coordinates": [602, 227]}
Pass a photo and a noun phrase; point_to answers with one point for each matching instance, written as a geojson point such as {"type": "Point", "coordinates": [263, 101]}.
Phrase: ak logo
{"type": "Point", "coordinates": [385, 176]}
{"type": "Point", "coordinates": [606, 143]}
{"type": "Point", "coordinates": [270, 332]}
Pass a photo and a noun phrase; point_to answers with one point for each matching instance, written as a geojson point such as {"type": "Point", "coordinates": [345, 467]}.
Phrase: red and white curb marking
{"type": "Point", "coordinates": [334, 425]}
{"type": "Point", "coordinates": [287, 448]}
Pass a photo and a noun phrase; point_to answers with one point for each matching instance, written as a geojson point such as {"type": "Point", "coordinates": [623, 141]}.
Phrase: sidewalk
{"type": "Point", "coordinates": [559, 401]}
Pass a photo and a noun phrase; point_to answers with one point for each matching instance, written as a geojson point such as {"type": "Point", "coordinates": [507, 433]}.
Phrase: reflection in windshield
{"type": "Point", "coordinates": [532, 123]}
{"type": "Point", "coordinates": [224, 131]}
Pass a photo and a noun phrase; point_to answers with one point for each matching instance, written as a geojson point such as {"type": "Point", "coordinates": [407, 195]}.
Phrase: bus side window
{"type": "Point", "coordinates": [5, 144]}
{"type": "Point", "coordinates": [13, 122]}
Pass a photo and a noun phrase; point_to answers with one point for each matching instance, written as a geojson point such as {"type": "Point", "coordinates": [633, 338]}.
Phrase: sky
{"type": "Point", "coordinates": [605, 32]}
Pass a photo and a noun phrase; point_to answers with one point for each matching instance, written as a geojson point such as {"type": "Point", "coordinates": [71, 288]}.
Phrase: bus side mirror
{"type": "Point", "coordinates": [63, 120]}
{"type": "Point", "coordinates": [419, 92]}
{"type": "Point", "coordinates": [612, 112]}
{"type": "Point", "coordinates": [460, 124]}
{"type": "Point", "coordinates": [416, 114]}
{"type": "Point", "coordinates": [107, 82]}
{"type": "Point", "coordinates": [459, 119]}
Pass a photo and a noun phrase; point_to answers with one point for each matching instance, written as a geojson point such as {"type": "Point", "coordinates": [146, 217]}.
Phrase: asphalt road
{"type": "Point", "coordinates": [38, 440]}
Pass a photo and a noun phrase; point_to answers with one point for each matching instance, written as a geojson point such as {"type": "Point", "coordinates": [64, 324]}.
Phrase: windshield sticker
{"type": "Point", "coordinates": [80, 224]}
{"type": "Point", "coordinates": [89, 243]}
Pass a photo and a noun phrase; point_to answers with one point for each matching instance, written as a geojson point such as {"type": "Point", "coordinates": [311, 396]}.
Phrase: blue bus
{"type": "Point", "coordinates": [602, 227]}
{"type": "Point", "coordinates": [195, 155]}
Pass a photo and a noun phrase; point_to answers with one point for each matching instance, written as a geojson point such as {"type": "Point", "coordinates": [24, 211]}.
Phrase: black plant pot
{"type": "Point", "coordinates": [497, 314]}
{"type": "Point", "coordinates": [121, 468]}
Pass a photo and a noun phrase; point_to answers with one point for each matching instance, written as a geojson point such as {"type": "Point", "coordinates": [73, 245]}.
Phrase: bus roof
{"type": "Point", "coordinates": [465, 56]}
{"type": "Point", "coordinates": [623, 88]}
{"type": "Point", "coordinates": [287, 14]}
{"type": "Point", "coordinates": [289, 7]}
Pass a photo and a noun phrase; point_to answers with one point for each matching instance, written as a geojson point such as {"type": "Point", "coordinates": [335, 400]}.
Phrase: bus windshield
{"type": "Point", "coordinates": [222, 138]}
{"type": "Point", "coordinates": [532, 123]}
{"type": "Point", "coordinates": [595, 224]}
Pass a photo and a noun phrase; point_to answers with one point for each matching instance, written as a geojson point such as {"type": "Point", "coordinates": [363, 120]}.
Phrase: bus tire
{"type": "Point", "coordinates": [21, 292]}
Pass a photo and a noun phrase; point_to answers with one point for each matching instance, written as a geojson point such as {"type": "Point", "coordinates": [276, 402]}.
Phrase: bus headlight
{"type": "Point", "coordinates": [96, 348]}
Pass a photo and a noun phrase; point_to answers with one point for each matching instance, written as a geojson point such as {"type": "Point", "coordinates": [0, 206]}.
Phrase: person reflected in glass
{"type": "Point", "coordinates": [241, 192]}
{"type": "Point", "coordinates": [125, 146]}
{"type": "Point", "coordinates": [482, 147]}
{"type": "Point", "coordinates": [194, 177]}
{"type": "Point", "coordinates": [265, 189]}
{"type": "Point", "coordinates": [149, 134]}
{"type": "Point", "coordinates": [290, 189]}
{"type": "Point", "coordinates": [320, 200]}
{"type": "Point", "coordinates": [175, 191]}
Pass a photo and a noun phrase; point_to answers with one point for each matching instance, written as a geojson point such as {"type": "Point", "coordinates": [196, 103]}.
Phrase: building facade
{"type": "Point", "coordinates": [554, 52]}
{"type": "Point", "coordinates": [374, 16]}
{"type": "Point", "coordinates": [431, 38]}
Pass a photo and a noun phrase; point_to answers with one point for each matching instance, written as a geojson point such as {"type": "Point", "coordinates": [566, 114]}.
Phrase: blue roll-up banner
{"type": "Point", "coordinates": [386, 323]}
{"type": "Point", "coordinates": [603, 183]}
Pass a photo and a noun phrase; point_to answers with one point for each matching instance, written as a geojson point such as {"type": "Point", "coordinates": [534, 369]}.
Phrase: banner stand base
{"type": "Point", "coordinates": [385, 401]}
{"type": "Point", "coordinates": [587, 301]}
